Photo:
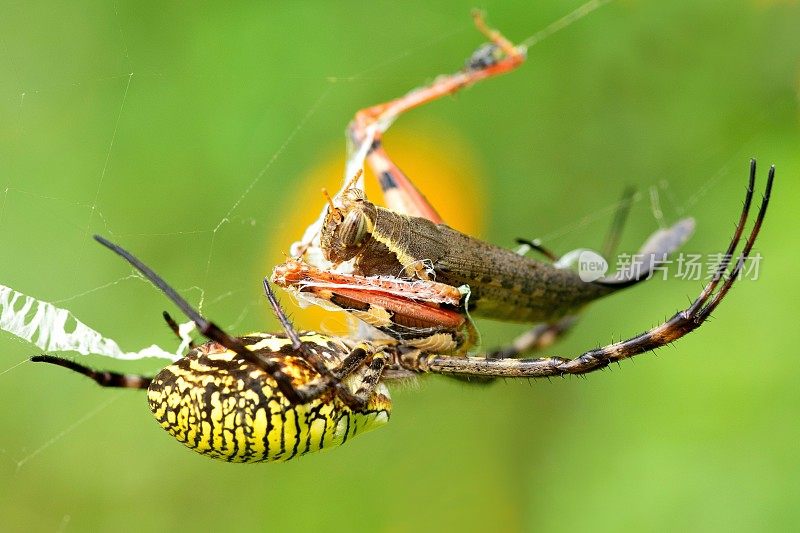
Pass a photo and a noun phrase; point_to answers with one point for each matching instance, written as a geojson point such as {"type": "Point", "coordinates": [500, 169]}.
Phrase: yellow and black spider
{"type": "Point", "coordinates": [272, 397]}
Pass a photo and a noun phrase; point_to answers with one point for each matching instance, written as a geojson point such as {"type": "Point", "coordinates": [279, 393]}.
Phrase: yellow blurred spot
{"type": "Point", "coordinates": [441, 165]}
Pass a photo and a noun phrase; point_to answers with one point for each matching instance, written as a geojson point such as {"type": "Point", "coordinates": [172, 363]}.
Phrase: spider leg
{"type": "Point", "coordinates": [367, 377]}
{"type": "Point", "coordinates": [400, 194]}
{"type": "Point", "coordinates": [354, 360]}
{"type": "Point", "coordinates": [680, 324]}
{"type": "Point", "coordinates": [208, 328]}
{"type": "Point", "coordinates": [173, 326]}
{"type": "Point", "coordinates": [102, 378]}
{"type": "Point", "coordinates": [328, 380]}
{"type": "Point", "coordinates": [362, 369]}
{"type": "Point", "coordinates": [535, 339]}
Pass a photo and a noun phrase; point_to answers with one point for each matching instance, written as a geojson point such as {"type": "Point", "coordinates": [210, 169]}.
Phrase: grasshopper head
{"type": "Point", "coordinates": [346, 229]}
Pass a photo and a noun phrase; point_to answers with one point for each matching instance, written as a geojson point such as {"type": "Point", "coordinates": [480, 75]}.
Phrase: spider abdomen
{"type": "Point", "coordinates": [227, 408]}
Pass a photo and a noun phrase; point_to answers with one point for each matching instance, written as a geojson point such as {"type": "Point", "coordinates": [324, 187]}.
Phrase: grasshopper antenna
{"type": "Point", "coordinates": [331, 205]}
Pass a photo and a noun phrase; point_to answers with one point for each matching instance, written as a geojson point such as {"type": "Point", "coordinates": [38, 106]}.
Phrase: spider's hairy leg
{"type": "Point", "coordinates": [680, 324]}
{"type": "Point", "coordinates": [363, 379]}
{"type": "Point", "coordinates": [206, 327]}
{"type": "Point", "coordinates": [400, 194]}
{"type": "Point", "coordinates": [102, 378]}
{"type": "Point", "coordinates": [535, 339]}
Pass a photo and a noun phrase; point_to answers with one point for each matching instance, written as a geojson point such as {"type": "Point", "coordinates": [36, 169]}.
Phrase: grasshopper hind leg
{"type": "Point", "coordinates": [538, 338]}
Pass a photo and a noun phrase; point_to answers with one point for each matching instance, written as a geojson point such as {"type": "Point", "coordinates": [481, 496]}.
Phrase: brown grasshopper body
{"type": "Point", "coordinates": [503, 285]}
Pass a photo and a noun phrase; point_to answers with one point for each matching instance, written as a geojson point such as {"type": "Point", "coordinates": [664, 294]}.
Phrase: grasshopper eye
{"type": "Point", "coordinates": [353, 229]}
{"type": "Point", "coordinates": [343, 235]}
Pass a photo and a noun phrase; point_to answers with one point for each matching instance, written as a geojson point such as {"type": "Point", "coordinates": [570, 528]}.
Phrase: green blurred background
{"type": "Point", "coordinates": [672, 95]}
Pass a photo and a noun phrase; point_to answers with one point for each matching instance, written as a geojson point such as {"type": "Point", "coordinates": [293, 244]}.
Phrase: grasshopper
{"type": "Point", "coordinates": [478, 278]}
{"type": "Point", "coordinates": [408, 243]}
